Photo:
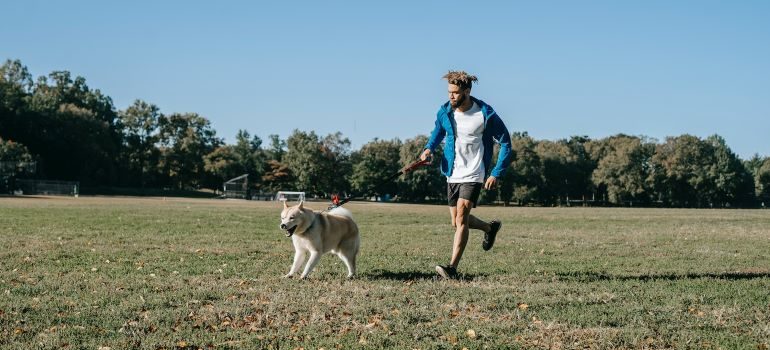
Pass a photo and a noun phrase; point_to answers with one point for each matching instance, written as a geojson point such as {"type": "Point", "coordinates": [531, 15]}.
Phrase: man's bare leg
{"type": "Point", "coordinates": [462, 221]}
{"type": "Point", "coordinates": [473, 222]}
{"type": "Point", "coordinates": [461, 230]}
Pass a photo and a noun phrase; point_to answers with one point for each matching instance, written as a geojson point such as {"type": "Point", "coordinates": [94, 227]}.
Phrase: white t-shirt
{"type": "Point", "coordinates": [469, 148]}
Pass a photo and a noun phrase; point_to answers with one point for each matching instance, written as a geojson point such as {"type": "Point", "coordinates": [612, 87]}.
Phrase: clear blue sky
{"type": "Point", "coordinates": [373, 69]}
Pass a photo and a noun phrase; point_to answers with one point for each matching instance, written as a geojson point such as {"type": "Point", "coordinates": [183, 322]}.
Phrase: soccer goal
{"type": "Point", "coordinates": [290, 196]}
{"type": "Point", "coordinates": [237, 187]}
{"type": "Point", "coordinates": [47, 187]}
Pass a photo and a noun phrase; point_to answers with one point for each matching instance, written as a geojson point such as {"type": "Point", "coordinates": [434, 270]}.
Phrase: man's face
{"type": "Point", "coordinates": [457, 95]}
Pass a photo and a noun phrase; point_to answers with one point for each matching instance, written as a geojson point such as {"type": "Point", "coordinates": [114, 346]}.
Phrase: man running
{"type": "Point", "coordinates": [470, 127]}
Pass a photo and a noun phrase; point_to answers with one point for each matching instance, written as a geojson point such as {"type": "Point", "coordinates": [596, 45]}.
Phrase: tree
{"type": "Point", "coordinates": [185, 139]}
{"type": "Point", "coordinates": [762, 181]}
{"type": "Point", "coordinates": [277, 177]}
{"type": "Point", "coordinates": [67, 91]}
{"type": "Point", "coordinates": [139, 125]}
{"type": "Point", "coordinates": [690, 172]}
{"type": "Point", "coordinates": [250, 155]}
{"type": "Point", "coordinates": [70, 126]}
{"type": "Point", "coordinates": [566, 169]}
{"type": "Point", "coordinates": [423, 183]}
{"type": "Point", "coordinates": [753, 164]}
{"type": "Point", "coordinates": [680, 169]}
{"type": "Point", "coordinates": [73, 129]}
{"type": "Point", "coordinates": [223, 163]}
{"type": "Point", "coordinates": [306, 161]}
{"type": "Point", "coordinates": [15, 159]}
{"type": "Point", "coordinates": [15, 87]}
{"type": "Point", "coordinates": [580, 175]}
{"type": "Point", "coordinates": [335, 150]}
{"type": "Point", "coordinates": [733, 184]}
{"type": "Point", "coordinates": [277, 148]}
{"type": "Point", "coordinates": [228, 161]}
{"type": "Point", "coordinates": [526, 171]}
{"type": "Point", "coordinates": [623, 166]}
{"type": "Point", "coordinates": [373, 164]}
{"type": "Point", "coordinates": [13, 152]}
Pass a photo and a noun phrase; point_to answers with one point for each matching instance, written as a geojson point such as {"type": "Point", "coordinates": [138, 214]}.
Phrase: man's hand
{"type": "Point", "coordinates": [491, 183]}
{"type": "Point", "coordinates": [425, 154]}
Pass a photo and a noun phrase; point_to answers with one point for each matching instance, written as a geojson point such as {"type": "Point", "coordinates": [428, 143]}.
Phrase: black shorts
{"type": "Point", "coordinates": [466, 190]}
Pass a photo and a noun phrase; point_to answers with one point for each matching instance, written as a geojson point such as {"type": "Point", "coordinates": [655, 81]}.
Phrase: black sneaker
{"type": "Point", "coordinates": [489, 237]}
{"type": "Point", "coordinates": [447, 272]}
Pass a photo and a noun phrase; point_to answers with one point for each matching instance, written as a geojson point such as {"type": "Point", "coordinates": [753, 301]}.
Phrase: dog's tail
{"type": "Point", "coordinates": [340, 211]}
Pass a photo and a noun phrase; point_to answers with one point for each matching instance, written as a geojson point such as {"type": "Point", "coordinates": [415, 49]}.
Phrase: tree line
{"type": "Point", "coordinates": [73, 132]}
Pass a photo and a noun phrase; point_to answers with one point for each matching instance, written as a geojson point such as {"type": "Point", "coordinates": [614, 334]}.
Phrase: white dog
{"type": "Point", "coordinates": [319, 233]}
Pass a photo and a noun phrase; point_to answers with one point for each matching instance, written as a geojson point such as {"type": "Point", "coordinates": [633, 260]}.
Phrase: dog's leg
{"type": "Point", "coordinates": [315, 257]}
{"type": "Point", "coordinates": [347, 251]}
{"type": "Point", "coordinates": [350, 262]}
{"type": "Point", "coordinates": [298, 255]}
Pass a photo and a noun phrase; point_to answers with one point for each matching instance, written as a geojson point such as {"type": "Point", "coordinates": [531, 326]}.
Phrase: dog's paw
{"type": "Point", "coordinates": [288, 275]}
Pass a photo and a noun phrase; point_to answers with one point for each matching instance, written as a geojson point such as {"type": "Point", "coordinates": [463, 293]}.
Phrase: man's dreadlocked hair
{"type": "Point", "coordinates": [460, 78]}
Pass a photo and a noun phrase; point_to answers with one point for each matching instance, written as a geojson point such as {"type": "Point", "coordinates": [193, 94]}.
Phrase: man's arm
{"type": "Point", "coordinates": [436, 136]}
{"type": "Point", "coordinates": [501, 135]}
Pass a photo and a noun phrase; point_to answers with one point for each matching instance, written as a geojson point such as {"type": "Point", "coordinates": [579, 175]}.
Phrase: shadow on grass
{"type": "Point", "coordinates": [596, 276]}
{"type": "Point", "coordinates": [414, 276]}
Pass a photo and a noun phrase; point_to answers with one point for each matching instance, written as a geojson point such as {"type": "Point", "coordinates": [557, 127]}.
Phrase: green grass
{"type": "Point", "coordinates": [187, 274]}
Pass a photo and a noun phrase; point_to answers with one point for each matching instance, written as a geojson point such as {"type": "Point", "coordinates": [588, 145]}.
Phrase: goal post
{"type": "Point", "coordinates": [48, 187]}
{"type": "Point", "coordinates": [290, 196]}
{"type": "Point", "coordinates": [237, 187]}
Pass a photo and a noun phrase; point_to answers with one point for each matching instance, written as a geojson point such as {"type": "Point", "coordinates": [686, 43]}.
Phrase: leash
{"type": "Point", "coordinates": [337, 202]}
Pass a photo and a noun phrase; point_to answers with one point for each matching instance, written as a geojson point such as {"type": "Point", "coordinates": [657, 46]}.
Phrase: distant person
{"type": "Point", "coordinates": [470, 127]}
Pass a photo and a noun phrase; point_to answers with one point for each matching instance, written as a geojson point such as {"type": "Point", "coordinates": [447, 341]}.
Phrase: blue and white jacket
{"type": "Point", "coordinates": [494, 131]}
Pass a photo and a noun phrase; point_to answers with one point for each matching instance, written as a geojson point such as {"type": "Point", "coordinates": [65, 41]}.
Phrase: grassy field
{"type": "Point", "coordinates": [118, 273]}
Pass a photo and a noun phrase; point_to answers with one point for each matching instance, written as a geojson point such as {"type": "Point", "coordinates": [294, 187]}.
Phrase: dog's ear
{"type": "Point", "coordinates": [284, 205]}
{"type": "Point", "coordinates": [300, 204]}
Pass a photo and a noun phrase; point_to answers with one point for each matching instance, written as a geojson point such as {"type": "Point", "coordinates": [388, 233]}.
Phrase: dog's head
{"type": "Point", "coordinates": [293, 217]}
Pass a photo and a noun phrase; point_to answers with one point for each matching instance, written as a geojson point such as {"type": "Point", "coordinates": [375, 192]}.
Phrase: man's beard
{"type": "Point", "coordinates": [459, 102]}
